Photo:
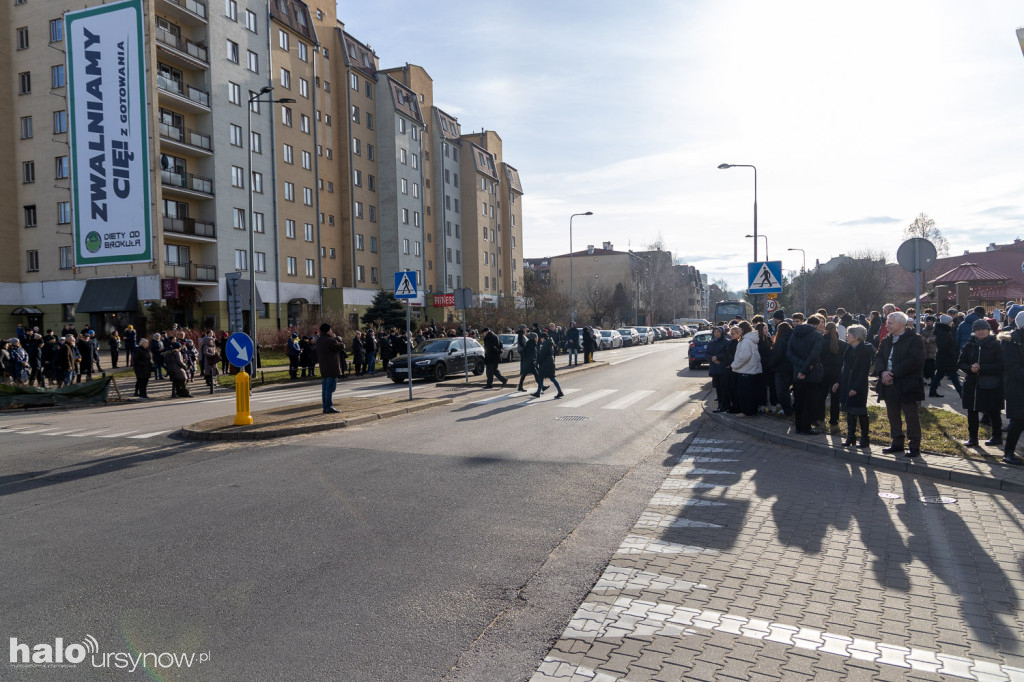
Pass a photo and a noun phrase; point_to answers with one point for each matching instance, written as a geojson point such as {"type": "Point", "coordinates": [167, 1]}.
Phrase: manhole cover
{"type": "Point", "coordinates": [572, 418]}
{"type": "Point", "coordinates": [938, 499]}
{"type": "Point", "coordinates": [889, 496]}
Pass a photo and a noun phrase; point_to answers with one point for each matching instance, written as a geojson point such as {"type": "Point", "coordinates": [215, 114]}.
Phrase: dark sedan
{"type": "Point", "coordinates": [437, 358]}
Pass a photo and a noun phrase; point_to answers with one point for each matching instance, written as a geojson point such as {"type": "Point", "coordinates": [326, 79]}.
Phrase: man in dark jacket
{"type": "Point", "coordinates": [328, 353]}
{"type": "Point", "coordinates": [527, 357]}
{"type": "Point", "coordinates": [804, 352]}
{"type": "Point", "coordinates": [1013, 368]}
{"type": "Point", "coordinates": [572, 344]}
{"type": "Point", "coordinates": [899, 363]}
{"type": "Point", "coordinates": [546, 365]}
{"type": "Point", "coordinates": [781, 368]}
{"type": "Point", "coordinates": [492, 357]}
{"type": "Point", "coordinates": [966, 328]}
{"type": "Point", "coordinates": [946, 354]}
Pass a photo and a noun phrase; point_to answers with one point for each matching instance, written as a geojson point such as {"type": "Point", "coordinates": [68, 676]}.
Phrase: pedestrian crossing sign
{"type": "Point", "coordinates": [405, 284]}
{"type": "Point", "coordinates": [764, 277]}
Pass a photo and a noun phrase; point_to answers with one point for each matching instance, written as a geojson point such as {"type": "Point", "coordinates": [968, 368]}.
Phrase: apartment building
{"type": "Point", "coordinates": [445, 168]}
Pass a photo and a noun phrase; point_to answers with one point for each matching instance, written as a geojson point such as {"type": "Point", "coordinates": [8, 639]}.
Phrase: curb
{"type": "Point", "coordinates": [195, 432]}
{"type": "Point", "coordinates": [867, 459]}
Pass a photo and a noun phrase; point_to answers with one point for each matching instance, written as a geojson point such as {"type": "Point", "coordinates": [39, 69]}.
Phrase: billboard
{"type": "Point", "coordinates": [109, 134]}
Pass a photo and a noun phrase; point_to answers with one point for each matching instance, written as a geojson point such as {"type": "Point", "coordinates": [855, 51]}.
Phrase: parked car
{"type": "Point", "coordinates": [437, 358]}
{"type": "Point", "coordinates": [509, 347]}
{"type": "Point", "coordinates": [679, 331]}
{"type": "Point", "coordinates": [630, 336]}
{"type": "Point", "coordinates": [699, 349]}
{"type": "Point", "coordinates": [646, 334]}
{"type": "Point", "coordinates": [610, 338]}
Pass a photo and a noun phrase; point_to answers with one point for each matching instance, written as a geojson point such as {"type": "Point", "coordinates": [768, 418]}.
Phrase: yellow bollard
{"type": "Point", "coordinates": [242, 416]}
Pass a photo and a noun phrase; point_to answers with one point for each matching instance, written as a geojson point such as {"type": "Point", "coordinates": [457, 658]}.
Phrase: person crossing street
{"type": "Point", "coordinates": [492, 357]}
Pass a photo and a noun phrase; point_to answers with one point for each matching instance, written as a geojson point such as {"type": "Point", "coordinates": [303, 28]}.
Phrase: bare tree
{"type": "Point", "coordinates": [924, 227]}
{"type": "Point", "coordinates": [598, 300]}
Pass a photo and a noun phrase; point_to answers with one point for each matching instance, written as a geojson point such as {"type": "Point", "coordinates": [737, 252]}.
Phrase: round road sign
{"type": "Point", "coordinates": [771, 305]}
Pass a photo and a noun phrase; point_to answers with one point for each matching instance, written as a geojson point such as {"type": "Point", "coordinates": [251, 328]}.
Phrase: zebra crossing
{"type": "Point", "coordinates": [78, 432]}
{"type": "Point", "coordinates": [605, 399]}
{"type": "Point", "coordinates": [296, 396]}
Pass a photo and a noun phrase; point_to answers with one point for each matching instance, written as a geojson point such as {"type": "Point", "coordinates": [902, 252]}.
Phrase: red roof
{"type": "Point", "coordinates": [1006, 258]}
{"type": "Point", "coordinates": [969, 272]}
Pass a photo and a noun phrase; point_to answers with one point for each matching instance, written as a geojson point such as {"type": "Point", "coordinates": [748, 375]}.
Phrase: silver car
{"type": "Point", "coordinates": [646, 334]}
{"type": "Point", "coordinates": [610, 338]}
{"type": "Point", "coordinates": [509, 347]}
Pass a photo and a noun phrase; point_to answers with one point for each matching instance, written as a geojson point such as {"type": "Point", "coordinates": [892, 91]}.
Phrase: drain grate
{"type": "Point", "coordinates": [572, 418]}
{"type": "Point", "coordinates": [889, 496]}
{"type": "Point", "coordinates": [938, 499]}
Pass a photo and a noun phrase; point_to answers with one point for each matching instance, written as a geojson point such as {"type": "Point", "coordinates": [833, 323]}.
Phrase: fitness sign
{"type": "Point", "coordinates": [109, 134]}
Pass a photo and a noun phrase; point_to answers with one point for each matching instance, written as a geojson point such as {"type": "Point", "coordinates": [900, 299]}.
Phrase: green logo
{"type": "Point", "coordinates": [93, 242]}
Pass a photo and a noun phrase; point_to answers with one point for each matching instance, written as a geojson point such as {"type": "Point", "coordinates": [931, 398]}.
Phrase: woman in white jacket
{"type": "Point", "coordinates": [747, 366]}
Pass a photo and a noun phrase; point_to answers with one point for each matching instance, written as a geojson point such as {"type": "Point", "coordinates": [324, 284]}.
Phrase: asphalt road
{"type": "Point", "coordinates": [454, 542]}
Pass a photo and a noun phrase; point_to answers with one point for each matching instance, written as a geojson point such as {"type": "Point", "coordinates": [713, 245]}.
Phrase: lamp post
{"type": "Point", "coordinates": [765, 238]}
{"type": "Point", "coordinates": [572, 295]}
{"type": "Point", "coordinates": [803, 270]}
{"type": "Point", "coordinates": [636, 286]}
{"type": "Point", "coordinates": [747, 165]}
{"type": "Point", "coordinates": [258, 97]}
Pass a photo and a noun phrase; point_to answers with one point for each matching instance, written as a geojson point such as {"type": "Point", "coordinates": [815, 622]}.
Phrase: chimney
{"type": "Point", "coordinates": [991, 247]}
{"type": "Point", "coordinates": [590, 249]}
{"type": "Point", "coordinates": [607, 246]}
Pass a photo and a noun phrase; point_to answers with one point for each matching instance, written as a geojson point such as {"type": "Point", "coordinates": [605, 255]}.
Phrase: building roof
{"type": "Point", "coordinates": [1005, 259]}
{"type": "Point", "coordinates": [295, 15]}
{"type": "Point", "coordinates": [404, 100]}
{"type": "Point", "coordinates": [512, 175]}
{"type": "Point", "coordinates": [448, 125]}
{"type": "Point", "coordinates": [483, 160]}
{"type": "Point", "coordinates": [969, 272]}
{"type": "Point", "coordinates": [597, 252]}
{"type": "Point", "coordinates": [358, 55]}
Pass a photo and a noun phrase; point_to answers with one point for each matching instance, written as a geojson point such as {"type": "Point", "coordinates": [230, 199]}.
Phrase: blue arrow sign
{"type": "Point", "coordinates": [405, 284]}
{"type": "Point", "coordinates": [764, 277]}
{"type": "Point", "coordinates": [240, 349]}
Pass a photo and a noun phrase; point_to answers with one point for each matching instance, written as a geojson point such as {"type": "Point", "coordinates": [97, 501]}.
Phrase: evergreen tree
{"type": "Point", "coordinates": [385, 310]}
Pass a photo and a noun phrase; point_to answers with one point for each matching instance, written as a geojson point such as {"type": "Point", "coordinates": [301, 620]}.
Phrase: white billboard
{"type": "Point", "coordinates": [109, 129]}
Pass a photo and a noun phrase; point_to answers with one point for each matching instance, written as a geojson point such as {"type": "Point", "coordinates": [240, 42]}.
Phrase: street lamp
{"type": "Point", "coordinates": [747, 165]}
{"type": "Point", "coordinates": [803, 269]}
{"type": "Point", "coordinates": [765, 238]}
{"type": "Point", "coordinates": [636, 283]}
{"type": "Point", "coordinates": [572, 296]}
{"type": "Point", "coordinates": [258, 97]}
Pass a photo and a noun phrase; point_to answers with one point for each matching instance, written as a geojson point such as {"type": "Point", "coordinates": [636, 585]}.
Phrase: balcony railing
{"type": "Point", "coordinates": [186, 136]}
{"type": "Point", "coordinates": [178, 88]}
{"type": "Point", "coordinates": [187, 181]}
{"type": "Point", "coordinates": [192, 271]}
{"type": "Point", "coordinates": [183, 45]}
{"type": "Point", "coordinates": [190, 226]}
{"type": "Point", "coordinates": [193, 6]}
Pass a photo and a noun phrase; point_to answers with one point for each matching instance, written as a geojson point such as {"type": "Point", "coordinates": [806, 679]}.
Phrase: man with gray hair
{"type": "Point", "coordinates": [899, 363]}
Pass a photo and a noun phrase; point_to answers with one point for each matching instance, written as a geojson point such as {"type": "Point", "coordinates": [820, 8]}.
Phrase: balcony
{"type": "Point", "coordinates": [187, 183]}
{"type": "Point", "coordinates": [191, 12]}
{"type": "Point", "coordinates": [182, 50]}
{"type": "Point", "coordinates": [186, 139]}
{"type": "Point", "coordinates": [192, 272]}
{"type": "Point", "coordinates": [192, 99]}
{"type": "Point", "coordinates": [202, 230]}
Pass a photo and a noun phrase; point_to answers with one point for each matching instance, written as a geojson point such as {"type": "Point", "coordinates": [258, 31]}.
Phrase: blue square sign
{"type": "Point", "coordinates": [405, 284]}
{"type": "Point", "coordinates": [764, 277]}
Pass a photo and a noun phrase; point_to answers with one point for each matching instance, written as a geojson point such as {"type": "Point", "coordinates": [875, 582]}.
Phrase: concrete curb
{"type": "Point", "coordinates": [196, 432]}
{"type": "Point", "coordinates": [855, 456]}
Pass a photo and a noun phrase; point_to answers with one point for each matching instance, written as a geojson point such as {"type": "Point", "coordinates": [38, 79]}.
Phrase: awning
{"type": "Point", "coordinates": [112, 295]}
{"type": "Point", "coordinates": [26, 311]}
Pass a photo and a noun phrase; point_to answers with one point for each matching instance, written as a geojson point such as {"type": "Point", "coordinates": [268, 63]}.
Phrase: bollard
{"type": "Point", "coordinates": [242, 416]}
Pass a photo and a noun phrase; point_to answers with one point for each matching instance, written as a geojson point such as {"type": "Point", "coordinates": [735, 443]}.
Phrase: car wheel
{"type": "Point", "coordinates": [398, 380]}
{"type": "Point", "coordinates": [440, 371]}
{"type": "Point", "coordinates": [694, 364]}
{"type": "Point", "coordinates": [478, 368]}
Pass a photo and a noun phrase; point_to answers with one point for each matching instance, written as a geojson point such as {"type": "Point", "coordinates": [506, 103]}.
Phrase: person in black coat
{"type": "Point", "coordinates": [142, 363]}
{"type": "Point", "coordinates": [527, 350]}
{"type": "Point", "coordinates": [492, 357]}
{"type": "Point", "coordinates": [731, 379]}
{"type": "Point", "coordinates": [766, 380]}
{"type": "Point", "coordinates": [715, 353]}
{"type": "Point", "coordinates": [852, 389]}
{"type": "Point", "coordinates": [832, 353]}
{"type": "Point", "coordinates": [782, 368]}
{"type": "Point", "coordinates": [899, 363]}
{"type": "Point", "coordinates": [358, 355]}
{"type": "Point", "coordinates": [946, 357]}
{"type": "Point", "coordinates": [804, 352]}
{"type": "Point", "coordinates": [546, 365]}
{"type": "Point", "coordinates": [1013, 379]}
{"type": "Point", "coordinates": [981, 360]}
{"type": "Point", "coordinates": [572, 344]}
{"type": "Point", "coordinates": [588, 345]}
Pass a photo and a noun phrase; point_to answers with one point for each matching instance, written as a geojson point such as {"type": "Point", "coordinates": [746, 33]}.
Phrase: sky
{"type": "Point", "coordinates": [858, 117]}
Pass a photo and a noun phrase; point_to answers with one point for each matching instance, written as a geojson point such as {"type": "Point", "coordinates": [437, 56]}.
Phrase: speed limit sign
{"type": "Point", "coordinates": [771, 305]}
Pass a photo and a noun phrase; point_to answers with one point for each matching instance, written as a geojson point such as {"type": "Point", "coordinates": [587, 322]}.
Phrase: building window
{"type": "Point", "coordinates": [369, 152]}
{"type": "Point", "coordinates": [304, 87]}
{"type": "Point", "coordinates": [359, 242]}
{"type": "Point", "coordinates": [250, 20]}
{"type": "Point", "coordinates": [307, 160]}
{"type": "Point", "coordinates": [289, 229]}
{"type": "Point", "coordinates": [371, 183]}
{"type": "Point", "coordinates": [405, 216]}
{"type": "Point", "coordinates": [288, 154]}
{"type": "Point", "coordinates": [405, 246]}
{"type": "Point", "coordinates": [57, 76]}
{"type": "Point", "coordinates": [307, 196]}
{"type": "Point", "coordinates": [24, 83]}
{"type": "Point", "coordinates": [32, 260]}
{"type": "Point", "coordinates": [259, 261]}
{"type": "Point", "coordinates": [458, 256]}
{"type": "Point", "coordinates": [63, 212]}
{"type": "Point", "coordinates": [234, 93]}
{"type": "Point", "coordinates": [416, 161]}
{"type": "Point", "coordinates": [28, 172]}
{"type": "Point", "coordinates": [252, 61]}
{"type": "Point", "coordinates": [293, 265]}
{"type": "Point", "coordinates": [238, 177]}
{"type": "Point", "coordinates": [416, 218]}
{"type": "Point", "coordinates": [286, 79]}
{"type": "Point", "coordinates": [310, 269]}
{"type": "Point", "coordinates": [282, 39]}
{"type": "Point", "coordinates": [353, 81]}
{"type": "Point", "coordinates": [289, 191]}
{"type": "Point", "coordinates": [56, 30]}
{"type": "Point", "coordinates": [403, 155]}
{"type": "Point", "coordinates": [232, 51]}
{"type": "Point", "coordinates": [286, 116]}
{"type": "Point", "coordinates": [238, 218]}
{"type": "Point", "coordinates": [61, 167]}
{"type": "Point", "coordinates": [373, 213]}
{"type": "Point", "coordinates": [359, 209]}
{"type": "Point", "coordinates": [235, 135]}
{"type": "Point", "coordinates": [67, 260]}
{"type": "Point", "coordinates": [304, 124]}
{"type": "Point", "coordinates": [60, 122]}
{"type": "Point", "coordinates": [257, 222]}
{"type": "Point", "coordinates": [303, 51]}
{"type": "Point", "coordinates": [26, 127]}
{"type": "Point", "coordinates": [373, 274]}
{"type": "Point", "coordinates": [356, 146]}
{"type": "Point", "coordinates": [241, 259]}
{"type": "Point", "coordinates": [309, 232]}
{"type": "Point", "coordinates": [231, 10]}
{"type": "Point", "coordinates": [23, 38]}
{"type": "Point", "coordinates": [357, 177]}
{"type": "Point", "coordinates": [416, 190]}
{"type": "Point", "coordinates": [30, 216]}
{"type": "Point", "coordinates": [416, 249]}
{"type": "Point", "coordinates": [256, 143]}
{"type": "Point", "coordinates": [405, 186]}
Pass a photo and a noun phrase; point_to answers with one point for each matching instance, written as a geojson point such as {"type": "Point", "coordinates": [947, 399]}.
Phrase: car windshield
{"type": "Point", "coordinates": [626, 332]}
{"type": "Point", "coordinates": [606, 333]}
{"type": "Point", "coordinates": [507, 338]}
{"type": "Point", "coordinates": [434, 346]}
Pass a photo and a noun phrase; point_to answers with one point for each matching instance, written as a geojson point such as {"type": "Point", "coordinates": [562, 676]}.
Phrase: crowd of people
{"type": "Point", "coordinates": [815, 368]}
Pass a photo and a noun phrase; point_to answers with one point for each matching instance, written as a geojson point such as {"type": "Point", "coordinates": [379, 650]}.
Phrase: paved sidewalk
{"type": "Point", "coordinates": [760, 562]}
{"type": "Point", "coordinates": [987, 473]}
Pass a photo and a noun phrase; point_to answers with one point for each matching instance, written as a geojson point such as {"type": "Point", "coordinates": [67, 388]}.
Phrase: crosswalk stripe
{"type": "Point", "coordinates": [590, 397]}
{"type": "Point", "coordinates": [15, 427]}
{"type": "Point", "coordinates": [627, 400]}
{"type": "Point", "coordinates": [84, 433]}
{"type": "Point", "coordinates": [671, 402]}
{"type": "Point", "coordinates": [150, 435]}
{"type": "Point", "coordinates": [498, 398]}
{"type": "Point", "coordinates": [37, 431]}
{"type": "Point", "coordinates": [117, 435]}
{"type": "Point", "coordinates": [548, 397]}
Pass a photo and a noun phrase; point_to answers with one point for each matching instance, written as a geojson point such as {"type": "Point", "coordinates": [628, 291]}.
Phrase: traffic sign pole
{"type": "Point", "coordinates": [408, 336]}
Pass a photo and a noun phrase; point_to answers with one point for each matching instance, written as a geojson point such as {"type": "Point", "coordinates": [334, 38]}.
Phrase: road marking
{"type": "Point", "coordinates": [38, 430]}
{"type": "Point", "coordinates": [150, 435]}
{"type": "Point", "coordinates": [672, 402]}
{"type": "Point", "coordinates": [547, 397]}
{"type": "Point", "coordinates": [589, 397]}
{"type": "Point", "coordinates": [499, 398]}
{"type": "Point", "coordinates": [627, 400]}
{"type": "Point", "coordinates": [117, 435]}
{"type": "Point", "coordinates": [83, 433]}
{"type": "Point", "coordinates": [16, 427]}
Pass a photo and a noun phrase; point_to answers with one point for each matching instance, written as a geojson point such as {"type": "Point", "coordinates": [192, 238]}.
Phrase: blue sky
{"type": "Point", "coordinates": [857, 116]}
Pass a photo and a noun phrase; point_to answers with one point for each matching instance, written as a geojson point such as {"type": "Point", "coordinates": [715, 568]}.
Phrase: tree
{"type": "Point", "coordinates": [924, 227]}
{"type": "Point", "coordinates": [597, 299]}
{"type": "Point", "coordinates": [621, 305]}
{"type": "Point", "coordinates": [385, 310]}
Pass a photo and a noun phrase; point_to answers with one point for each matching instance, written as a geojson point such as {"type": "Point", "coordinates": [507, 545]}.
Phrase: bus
{"type": "Point", "coordinates": [733, 310]}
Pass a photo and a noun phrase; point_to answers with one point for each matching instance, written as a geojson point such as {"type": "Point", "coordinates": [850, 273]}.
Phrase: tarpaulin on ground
{"type": "Point", "coordinates": [85, 393]}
